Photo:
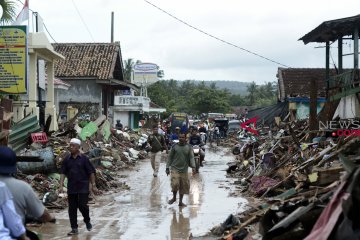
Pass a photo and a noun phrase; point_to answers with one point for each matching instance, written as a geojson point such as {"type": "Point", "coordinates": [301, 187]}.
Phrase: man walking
{"type": "Point", "coordinates": [157, 143]}
{"type": "Point", "coordinates": [79, 170]}
{"type": "Point", "coordinates": [180, 158]}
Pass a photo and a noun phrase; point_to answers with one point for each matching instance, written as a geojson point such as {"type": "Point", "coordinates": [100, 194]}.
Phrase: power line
{"type": "Point", "coordinates": [49, 33]}
{"type": "Point", "coordinates": [78, 12]}
{"type": "Point", "coordinates": [212, 36]}
{"type": "Point", "coordinates": [33, 12]}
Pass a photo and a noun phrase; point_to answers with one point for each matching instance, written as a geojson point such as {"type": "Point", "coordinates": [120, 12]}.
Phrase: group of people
{"type": "Point", "coordinates": [19, 202]}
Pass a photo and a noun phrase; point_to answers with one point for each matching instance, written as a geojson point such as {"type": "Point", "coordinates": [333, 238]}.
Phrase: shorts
{"type": "Point", "coordinates": [180, 182]}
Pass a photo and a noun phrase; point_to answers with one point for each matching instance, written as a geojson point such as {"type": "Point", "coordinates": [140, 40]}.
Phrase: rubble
{"type": "Point", "coordinates": [299, 178]}
{"type": "Point", "coordinates": [109, 150]}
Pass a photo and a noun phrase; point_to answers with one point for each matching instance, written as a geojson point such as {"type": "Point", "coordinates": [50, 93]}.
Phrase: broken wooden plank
{"type": "Point", "coordinates": [326, 176]}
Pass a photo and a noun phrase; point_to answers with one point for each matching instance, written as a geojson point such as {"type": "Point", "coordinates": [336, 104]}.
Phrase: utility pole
{"type": "Point", "coordinates": [40, 101]}
{"type": "Point", "coordinates": [112, 27]}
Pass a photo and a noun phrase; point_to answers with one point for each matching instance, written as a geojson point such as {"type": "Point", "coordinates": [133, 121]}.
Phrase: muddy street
{"type": "Point", "coordinates": [143, 212]}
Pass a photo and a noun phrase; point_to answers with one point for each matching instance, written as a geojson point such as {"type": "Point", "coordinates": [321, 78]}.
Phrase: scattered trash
{"type": "Point", "coordinates": [300, 181]}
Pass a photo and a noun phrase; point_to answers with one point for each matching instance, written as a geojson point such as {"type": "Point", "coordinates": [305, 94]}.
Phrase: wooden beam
{"type": "Point", "coordinates": [327, 67]}
{"type": "Point", "coordinates": [340, 52]}
{"type": "Point", "coordinates": [313, 124]}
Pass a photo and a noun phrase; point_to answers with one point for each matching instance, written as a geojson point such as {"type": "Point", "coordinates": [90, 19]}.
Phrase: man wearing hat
{"type": "Point", "coordinates": [79, 171]}
{"type": "Point", "coordinates": [27, 203]}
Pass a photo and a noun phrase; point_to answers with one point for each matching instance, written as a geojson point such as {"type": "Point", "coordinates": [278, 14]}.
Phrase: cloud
{"type": "Point", "coordinates": [269, 28]}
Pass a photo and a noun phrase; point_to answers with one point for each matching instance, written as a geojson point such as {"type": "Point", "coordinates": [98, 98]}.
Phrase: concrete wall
{"type": "Point", "coordinates": [81, 91]}
{"type": "Point", "coordinates": [124, 117]}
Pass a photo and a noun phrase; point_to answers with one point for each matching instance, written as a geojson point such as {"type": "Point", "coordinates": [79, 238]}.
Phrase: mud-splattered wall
{"type": "Point", "coordinates": [80, 93]}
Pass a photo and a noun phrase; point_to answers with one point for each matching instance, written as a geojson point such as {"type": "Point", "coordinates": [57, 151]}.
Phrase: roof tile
{"type": "Point", "coordinates": [295, 82]}
{"type": "Point", "coordinates": [87, 59]}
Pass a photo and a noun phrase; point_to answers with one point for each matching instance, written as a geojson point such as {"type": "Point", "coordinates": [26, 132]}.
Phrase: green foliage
{"type": "Point", "coordinates": [197, 97]}
{"type": "Point", "coordinates": [128, 66]}
{"type": "Point", "coordinates": [9, 8]}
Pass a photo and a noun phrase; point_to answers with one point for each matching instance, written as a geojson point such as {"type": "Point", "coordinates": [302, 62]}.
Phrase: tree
{"type": "Point", "coordinates": [252, 89]}
{"type": "Point", "coordinates": [9, 8]}
{"type": "Point", "coordinates": [236, 100]}
{"type": "Point", "coordinates": [128, 66]}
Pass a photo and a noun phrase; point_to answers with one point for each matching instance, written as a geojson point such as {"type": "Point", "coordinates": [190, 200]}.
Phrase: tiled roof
{"type": "Point", "coordinates": [94, 60]}
{"type": "Point", "coordinates": [295, 82]}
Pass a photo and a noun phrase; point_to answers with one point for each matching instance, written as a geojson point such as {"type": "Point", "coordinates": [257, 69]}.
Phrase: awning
{"type": "Point", "coordinates": [115, 82]}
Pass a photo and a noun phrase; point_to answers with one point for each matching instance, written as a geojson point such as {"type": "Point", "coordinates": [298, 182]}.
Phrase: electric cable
{"type": "Point", "coordinates": [49, 33]}
{"type": "Point", "coordinates": [78, 12]}
{"type": "Point", "coordinates": [217, 38]}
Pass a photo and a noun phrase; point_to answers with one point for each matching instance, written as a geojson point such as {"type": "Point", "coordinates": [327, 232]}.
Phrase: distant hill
{"type": "Point", "coordinates": [233, 86]}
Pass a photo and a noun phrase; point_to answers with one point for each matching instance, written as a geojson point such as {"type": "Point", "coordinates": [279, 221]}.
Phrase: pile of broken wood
{"type": "Point", "coordinates": [296, 177]}
{"type": "Point", "coordinates": [39, 164]}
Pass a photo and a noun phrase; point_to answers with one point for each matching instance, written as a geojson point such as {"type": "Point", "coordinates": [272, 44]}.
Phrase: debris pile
{"type": "Point", "coordinates": [110, 150]}
{"type": "Point", "coordinates": [300, 180]}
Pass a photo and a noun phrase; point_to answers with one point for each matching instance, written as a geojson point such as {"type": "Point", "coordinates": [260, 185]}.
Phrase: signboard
{"type": "Point", "coordinates": [145, 73]}
{"type": "Point", "coordinates": [41, 74]}
{"type": "Point", "coordinates": [13, 60]}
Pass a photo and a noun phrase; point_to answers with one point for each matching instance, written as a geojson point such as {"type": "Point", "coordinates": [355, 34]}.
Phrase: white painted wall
{"type": "Point", "coordinates": [123, 116]}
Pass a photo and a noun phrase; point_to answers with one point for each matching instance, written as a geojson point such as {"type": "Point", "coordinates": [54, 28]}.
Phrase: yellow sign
{"type": "Point", "coordinates": [13, 60]}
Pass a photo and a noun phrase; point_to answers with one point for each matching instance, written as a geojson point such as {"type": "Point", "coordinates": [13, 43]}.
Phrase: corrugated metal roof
{"type": "Point", "coordinates": [20, 132]}
{"type": "Point", "coordinates": [332, 30]}
{"type": "Point", "coordinates": [267, 115]}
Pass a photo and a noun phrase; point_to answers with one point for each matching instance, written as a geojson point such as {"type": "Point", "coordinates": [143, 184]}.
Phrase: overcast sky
{"type": "Point", "coordinates": [269, 28]}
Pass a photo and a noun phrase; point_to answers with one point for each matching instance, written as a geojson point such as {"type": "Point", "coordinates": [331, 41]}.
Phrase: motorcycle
{"type": "Point", "coordinates": [196, 151]}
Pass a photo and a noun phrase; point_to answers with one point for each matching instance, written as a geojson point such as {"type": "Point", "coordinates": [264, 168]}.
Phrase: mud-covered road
{"type": "Point", "coordinates": [143, 212]}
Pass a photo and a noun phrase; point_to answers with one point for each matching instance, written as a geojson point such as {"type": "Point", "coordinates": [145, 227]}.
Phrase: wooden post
{"type": "Point", "coordinates": [340, 53]}
{"type": "Point", "coordinates": [313, 124]}
{"type": "Point", "coordinates": [356, 48]}
{"type": "Point", "coordinates": [327, 68]}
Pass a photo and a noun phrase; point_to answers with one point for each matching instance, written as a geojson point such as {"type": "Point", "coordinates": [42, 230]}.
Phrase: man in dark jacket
{"type": "Point", "coordinates": [157, 144]}
{"type": "Point", "coordinates": [79, 170]}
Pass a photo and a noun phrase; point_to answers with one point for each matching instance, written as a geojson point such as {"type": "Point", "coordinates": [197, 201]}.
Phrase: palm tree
{"type": "Point", "coordinates": [270, 89]}
{"type": "Point", "coordinates": [252, 89]}
{"type": "Point", "coordinates": [8, 8]}
{"type": "Point", "coordinates": [128, 66]}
